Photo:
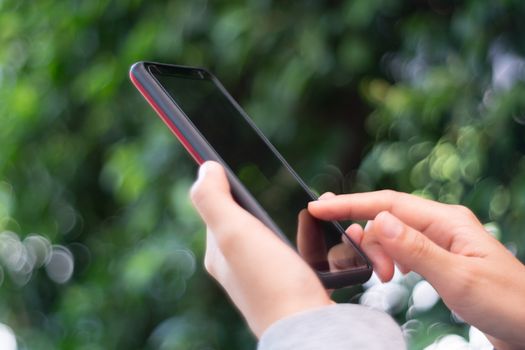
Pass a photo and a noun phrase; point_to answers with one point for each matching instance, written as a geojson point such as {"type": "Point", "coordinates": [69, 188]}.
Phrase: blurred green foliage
{"type": "Point", "coordinates": [426, 97]}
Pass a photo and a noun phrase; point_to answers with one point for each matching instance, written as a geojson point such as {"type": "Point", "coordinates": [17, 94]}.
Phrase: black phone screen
{"type": "Point", "coordinates": [254, 161]}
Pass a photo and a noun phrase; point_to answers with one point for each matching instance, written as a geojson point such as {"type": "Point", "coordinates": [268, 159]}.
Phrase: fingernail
{"type": "Point", "coordinates": [326, 195]}
{"type": "Point", "coordinates": [368, 225]}
{"type": "Point", "coordinates": [391, 227]}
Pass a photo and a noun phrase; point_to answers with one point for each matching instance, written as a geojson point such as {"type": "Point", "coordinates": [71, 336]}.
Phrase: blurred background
{"type": "Point", "coordinates": [99, 245]}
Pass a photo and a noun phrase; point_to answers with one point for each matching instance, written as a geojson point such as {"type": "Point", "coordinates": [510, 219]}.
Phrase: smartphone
{"type": "Point", "coordinates": [212, 126]}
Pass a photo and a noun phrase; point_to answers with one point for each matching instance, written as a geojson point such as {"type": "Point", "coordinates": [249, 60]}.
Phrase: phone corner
{"type": "Point", "coordinates": [136, 67]}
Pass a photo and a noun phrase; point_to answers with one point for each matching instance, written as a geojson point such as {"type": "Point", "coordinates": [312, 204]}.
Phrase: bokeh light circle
{"type": "Point", "coordinates": [60, 266]}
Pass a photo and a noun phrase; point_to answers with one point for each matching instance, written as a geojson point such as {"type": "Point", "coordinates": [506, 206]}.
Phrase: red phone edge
{"type": "Point", "coordinates": [196, 156]}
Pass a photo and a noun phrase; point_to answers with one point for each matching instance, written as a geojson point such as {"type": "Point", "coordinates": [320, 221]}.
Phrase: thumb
{"type": "Point", "coordinates": [211, 195]}
{"type": "Point", "coordinates": [413, 250]}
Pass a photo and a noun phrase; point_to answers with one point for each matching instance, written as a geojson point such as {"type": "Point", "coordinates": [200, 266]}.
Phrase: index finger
{"type": "Point", "coordinates": [413, 210]}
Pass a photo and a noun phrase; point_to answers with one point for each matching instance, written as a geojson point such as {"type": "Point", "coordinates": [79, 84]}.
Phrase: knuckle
{"type": "Point", "coordinates": [464, 211]}
{"type": "Point", "coordinates": [420, 246]}
{"type": "Point", "coordinates": [197, 193]}
{"type": "Point", "coordinates": [466, 214]}
{"type": "Point", "coordinates": [390, 194]}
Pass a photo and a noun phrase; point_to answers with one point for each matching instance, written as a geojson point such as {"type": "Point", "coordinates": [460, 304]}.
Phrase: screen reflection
{"type": "Point", "coordinates": [312, 246]}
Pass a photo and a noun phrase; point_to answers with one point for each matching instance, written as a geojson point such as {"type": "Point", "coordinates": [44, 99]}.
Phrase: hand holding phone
{"type": "Point", "coordinates": [263, 276]}
{"type": "Point", "coordinates": [212, 126]}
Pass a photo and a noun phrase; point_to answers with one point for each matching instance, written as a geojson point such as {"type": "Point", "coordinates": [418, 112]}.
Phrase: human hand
{"type": "Point", "coordinates": [477, 277]}
{"type": "Point", "coordinates": [265, 278]}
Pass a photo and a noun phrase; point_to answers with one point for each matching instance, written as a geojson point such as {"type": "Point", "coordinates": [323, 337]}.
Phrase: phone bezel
{"type": "Point", "coordinates": [201, 151]}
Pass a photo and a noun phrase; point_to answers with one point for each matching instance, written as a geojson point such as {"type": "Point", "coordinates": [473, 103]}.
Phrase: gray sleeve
{"type": "Point", "coordinates": [340, 326]}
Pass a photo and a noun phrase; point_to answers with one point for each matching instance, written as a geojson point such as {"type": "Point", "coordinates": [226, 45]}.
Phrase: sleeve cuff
{"type": "Point", "coordinates": [340, 326]}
